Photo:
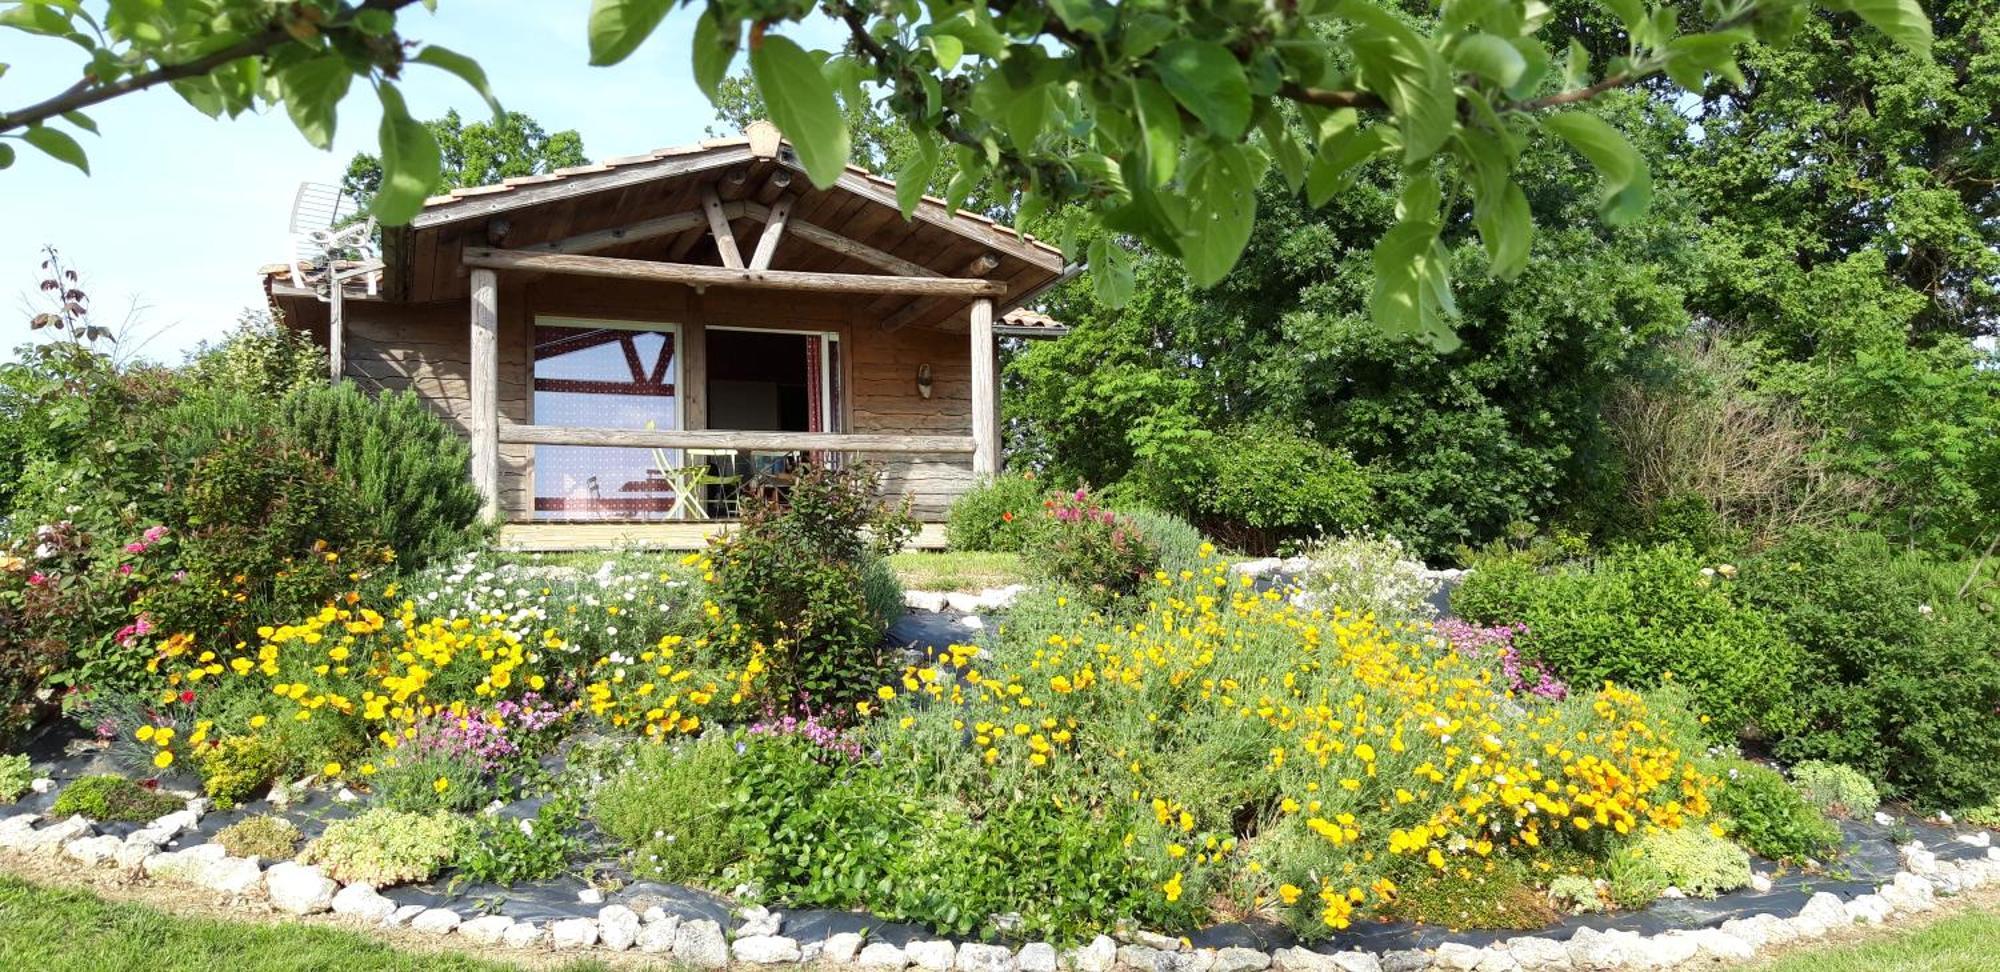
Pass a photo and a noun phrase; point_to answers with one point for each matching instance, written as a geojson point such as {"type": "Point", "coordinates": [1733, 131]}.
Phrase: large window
{"type": "Point", "coordinates": [603, 374]}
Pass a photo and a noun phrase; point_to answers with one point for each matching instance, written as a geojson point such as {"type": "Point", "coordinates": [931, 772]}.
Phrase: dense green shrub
{"type": "Point", "coordinates": [113, 799]}
{"type": "Point", "coordinates": [270, 837]}
{"type": "Point", "coordinates": [670, 805]}
{"type": "Point", "coordinates": [1900, 680]}
{"type": "Point", "coordinates": [1091, 549]}
{"type": "Point", "coordinates": [385, 847]}
{"type": "Point", "coordinates": [259, 357]}
{"type": "Point", "coordinates": [1640, 617]}
{"type": "Point", "coordinates": [235, 767]}
{"type": "Point", "coordinates": [996, 514]}
{"type": "Point", "coordinates": [1836, 790]}
{"type": "Point", "coordinates": [815, 829]}
{"type": "Point", "coordinates": [794, 578]}
{"type": "Point", "coordinates": [404, 466]}
{"type": "Point", "coordinates": [1768, 816]}
{"type": "Point", "coordinates": [1256, 486]}
{"type": "Point", "coordinates": [15, 776]}
{"type": "Point", "coordinates": [1178, 541]}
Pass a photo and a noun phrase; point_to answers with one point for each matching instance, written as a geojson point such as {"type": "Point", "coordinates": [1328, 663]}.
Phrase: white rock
{"type": "Point", "coordinates": [1977, 839]}
{"type": "Point", "coordinates": [1198, 960]}
{"type": "Point", "coordinates": [400, 918]}
{"type": "Point", "coordinates": [129, 856]}
{"type": "Point", "coordinates": [359, 900]}
{"type": "Point", "coordinates": [345, 795]}
{"type": "Point", "coordinates": [1538, 954]}
{"type": "Point", "coordinates": [486, 929]}
{"type": "Point", "coordinates": [1098, 956]}
{"type": "Point", "coordinates": [92, 851]}
{"type": "Point", "coordinates": [198, 806]}
{"type": "Point", "coordinates": [1664, 951]}
{"type": "Point", "coordinates": [573, 933]}
{"type": "Point", "coordinates": [1406, 960]}
{"type": "Point", "coordinates": [1760, 882]}
{"type": "Point", "coordinates": [435, 921]}
{"type": "Point", "coordinates": [765, 950]}
{"type": "Point", "coordinates": [932, 601]}
{"type": "Point", "coordinates": [1256, 568]}
{"type": "Point", "coordinates": [1356, 961]}
{"type": "Point", "coordinates": [700, 943]}
{"type": "Point", "coordinates": [239, 876]}
{"type": "Point", "coordinates": [653, 914]}
{"type": "Point", "coordinates": [759, 922]}
{"type": "Point", "coordinates": [1143, 958]}
{"type": "Point", "coordinates": [1909, 894]}
{"type": "Point", "coordinates": [173, 823]}
{"type": "Point", "coordinates": [962, 601]}
{"type": "Point", "coordinates": [1917, 860]}
{"type": "Point", "coordinates": [933, 956]}
{"type": "Point", "coordinates": [590, 896]}
{"type": "Point", "coordinates": [1884, 820]}
{"type": "Point", "coordinates": [16, 828]}
{"type": "Point", "coordinates": [300, 889]}
{"type": "Point", "coordinates": [1868, 909]}
{"type": "Point", "coordinates": [1716, 944]}
{"type": "Point", "coordinates": [882, 955]}
{"type": "Point", "coordinates": [842, 947]}
{"type": "Point", "coordinates": [1595, 951]}
{"type": "Point", "coordinates": [658, 936]}
{"type": "Point", "coordinates": [1496, 959]}
{"type": "Point", "coordinates": [50, 839]}
{"type": "Point", "coordinates": [1232, 959]}
{"type": "Point", "coordinates": [1157, 941]}
{"type": "Point", "coordinates": [41, 784]}
{"type": "Point", "coordinates": [978, 957]}
{"type": "Point", "coordinates": [617, 927]}
{"type": "Point", "coordinates": [1825, 908]}
{"type": "Point", "coordinates": [522, 934]}
{"type": "Point", "coordinates": [972, 622]}
{"type": "Point", "coordinates": [1457, 957]}
{"type": "Point", "coordinates": [809, 952]}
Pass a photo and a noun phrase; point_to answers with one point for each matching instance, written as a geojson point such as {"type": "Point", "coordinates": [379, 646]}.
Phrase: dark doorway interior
{"type": "Point", "coordinates": [759, 381]}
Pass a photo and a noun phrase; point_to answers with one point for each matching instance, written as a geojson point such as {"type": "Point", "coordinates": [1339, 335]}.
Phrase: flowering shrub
{"type": "Point", "coordinates": [996, 514]}
{"type": "Point", "coordinates": [1364, 574]}
{"type": "Point", "coordinates": [1522, 675]}
{"type": "Point", "coordinates": [1083, 545]}
{"type": "Point", "coordinates": [1221, 746]}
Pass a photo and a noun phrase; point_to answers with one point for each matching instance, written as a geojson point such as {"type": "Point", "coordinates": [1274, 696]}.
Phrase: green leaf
{"type": "Point", "coordinates": [1092, 17]}
{"type": "Point", "coordinates": [714, 50]}
{"type": "Point", "coordinates": [1904, 21]}
{"type": "Point", "coordinates": [1026, 114]}
{"type": "Point", "coordinates": [915, 175]}
{"type": "Point", "coordinates": [6, 155]}
{"type": "Point", "coordinates": [1402, 66]}
{"type": "Point", "coordinates": [1142, 34]}
{"type": "Point", "coordinates": [1412, 280]}
{"type": "Point", "coordinates": [618, 27]}
{"type": "Point", "coordinates": [1628, 186]}
{"type": "Point", "coordinates": [1110, 272]}
{"type": "Point", "coordinates": [1292, 160]}
{"type": "Point", "coordinates": [312, 90]}
{"type": "Point", "coordinates": [467, 69]}
{"type": "Point", "coordinates": [1205, 78]}
{"type": "Point", "coordinates": [1576, 68]}
{"type": "Point", "coordinates": [409, 161]}
{"type": "Point", "coordinates": [77, 118]}
{"type": "Point", "coordinates": [1489, 57]}
{"type": "Point", "coordinates": [1333, 169]}
{"type": "Point", "coordinates": [802, 106]}
{"type": "Point", "coordinates": [947, 49]}
{"type": "Point", "coordinates": [1160, 129]}
{"type": "Point", "coordinates": [1630, 13]}
{"type": "Point", "coordinates": [58, 145]}
{"type": "Point", "coordinates": [1499, 207]}
{"type": "Point", "coordinates": [1221, 195]}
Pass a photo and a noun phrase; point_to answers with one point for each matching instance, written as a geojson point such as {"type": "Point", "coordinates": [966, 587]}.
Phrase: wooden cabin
{"type": "Point", "coordinates": [632, 347]}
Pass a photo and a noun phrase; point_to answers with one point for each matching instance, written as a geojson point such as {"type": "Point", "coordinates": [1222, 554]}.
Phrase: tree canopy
{"type": "Point", "coordinates": [1156, 118]}
{"type": "Point", "coordinates": [478, 154]}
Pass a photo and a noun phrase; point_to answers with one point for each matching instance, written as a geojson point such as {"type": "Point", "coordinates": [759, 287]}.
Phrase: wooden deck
{"type": "Point", "coordinates": [554, 537]}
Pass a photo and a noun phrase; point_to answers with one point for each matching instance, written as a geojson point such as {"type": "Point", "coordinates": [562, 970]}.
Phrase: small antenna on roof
{"type": "Point", "coordinates": [332, 242]}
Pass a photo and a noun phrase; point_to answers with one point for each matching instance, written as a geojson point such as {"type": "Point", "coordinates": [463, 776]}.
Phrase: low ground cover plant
{"type": "Point", "coordinates": [1767, 815]}
{"type": "Point", "coordinates": [1840, 791]}
{"type": "Point", "coordinates": [15, 776]}
{"type": "Point", "coordinates": [385, 847]}
{"type": "Point", "coordinates": [113, 798]}
{"type": "Point", "coordinates": [270, 837]}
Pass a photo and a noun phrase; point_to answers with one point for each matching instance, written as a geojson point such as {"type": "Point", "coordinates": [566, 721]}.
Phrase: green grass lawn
{"type": "Point", "coordinates": [59, 930]}
{"type": "Point", "coordinates": [957, 570]}
{"type": "Point", "coordinates": [1964, 943]}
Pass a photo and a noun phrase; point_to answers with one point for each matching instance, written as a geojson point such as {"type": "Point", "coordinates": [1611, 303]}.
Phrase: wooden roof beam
{"type": "Point", "coordinates": [718, 226]}
{"type": "Point", "coordinates": [694, 275]}
{"type": "Point", "coordinates": [920, 308]}
{"type": "Point", "coordinates": [774, 231]}
{"type": "Point", "coordinates": [643, 230]}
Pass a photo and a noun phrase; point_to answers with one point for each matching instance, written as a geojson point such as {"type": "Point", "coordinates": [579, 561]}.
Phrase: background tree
{"type": "Point", "coordinates": [478, 154]}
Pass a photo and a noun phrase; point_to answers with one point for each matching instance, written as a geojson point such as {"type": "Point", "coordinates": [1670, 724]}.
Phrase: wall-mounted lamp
{"type": "Point", "coordinates": [924, 380]}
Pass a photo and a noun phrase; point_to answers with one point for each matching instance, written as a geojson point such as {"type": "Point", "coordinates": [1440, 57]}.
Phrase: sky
{"type": "Point", "coordinates": [180, 211]}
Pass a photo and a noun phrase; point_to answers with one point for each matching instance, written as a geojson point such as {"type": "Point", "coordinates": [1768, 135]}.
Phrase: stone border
{"type": "Point", "coordinates": [291, 888]}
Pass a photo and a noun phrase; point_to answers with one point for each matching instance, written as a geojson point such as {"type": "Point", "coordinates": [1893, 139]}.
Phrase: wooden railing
{"type": "Point", "coordinates": [516, 434]}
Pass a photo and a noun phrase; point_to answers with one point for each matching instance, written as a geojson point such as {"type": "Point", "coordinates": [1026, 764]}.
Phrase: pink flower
{"type": "Point", "coordinates": [124, 568]}
{"type": "Point", "coordinates": [37, 579]}
{"type": "Point", "coordinates": [154, 534]}
{"type": "Point", "coordinates": [135, 547]}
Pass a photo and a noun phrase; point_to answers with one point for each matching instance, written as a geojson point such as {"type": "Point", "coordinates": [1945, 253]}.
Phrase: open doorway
{"type": "Point", "coordinates": [773, 381]}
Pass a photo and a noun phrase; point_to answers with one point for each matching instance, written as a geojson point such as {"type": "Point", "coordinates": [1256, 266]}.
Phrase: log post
{"type": "Point", "coordinates": [336, 332]}
{"type": "Point", "coordinates": [485, 381]}
{"type": "Point", "coordinates": [985, 392]}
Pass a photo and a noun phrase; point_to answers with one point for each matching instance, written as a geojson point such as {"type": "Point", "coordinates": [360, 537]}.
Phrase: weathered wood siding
{"type": "Point", "coordinates": [425, 348]}
{"type": "Point", "coordinates": [884, 398]}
